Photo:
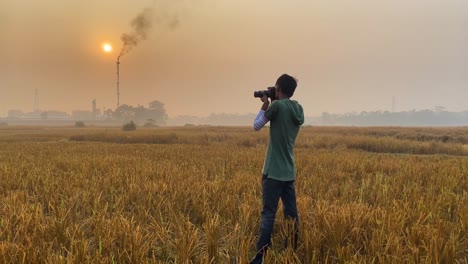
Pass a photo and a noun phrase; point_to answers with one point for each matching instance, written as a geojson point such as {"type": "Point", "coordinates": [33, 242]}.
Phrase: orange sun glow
{"type": "Point", "coordinates": [107, 48]}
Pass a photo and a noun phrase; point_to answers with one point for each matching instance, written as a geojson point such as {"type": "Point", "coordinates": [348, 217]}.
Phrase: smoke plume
{"type": "Point", "coordinates": [140, 27]}
{"type": "Point", "coordinates": [142, 23]}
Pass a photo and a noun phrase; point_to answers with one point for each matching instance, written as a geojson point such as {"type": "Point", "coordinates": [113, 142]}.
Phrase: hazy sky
{"type": "Point", "coordinates": [349, 55]}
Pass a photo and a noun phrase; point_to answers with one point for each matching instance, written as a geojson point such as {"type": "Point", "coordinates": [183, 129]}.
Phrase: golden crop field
{"type": "Point", "coordinates": [193, 195]}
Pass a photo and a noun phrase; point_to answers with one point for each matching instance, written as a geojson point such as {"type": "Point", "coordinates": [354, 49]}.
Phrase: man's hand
{"type": "Point", "coordinates": [266, 102]}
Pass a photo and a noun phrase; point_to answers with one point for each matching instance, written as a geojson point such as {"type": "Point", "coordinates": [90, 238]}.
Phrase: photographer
{"type": "Point", "coordinates": [278, 176]}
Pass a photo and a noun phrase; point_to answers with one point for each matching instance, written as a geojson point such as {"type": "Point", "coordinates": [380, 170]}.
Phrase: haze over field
{"type": "Point", "coordinates": [207, 56]}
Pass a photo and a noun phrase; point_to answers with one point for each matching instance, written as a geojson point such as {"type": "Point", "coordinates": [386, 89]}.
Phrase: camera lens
{"type": "Point", "coordinates": [259, 93]}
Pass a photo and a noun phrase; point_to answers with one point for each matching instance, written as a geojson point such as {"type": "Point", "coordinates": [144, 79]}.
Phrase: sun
{"type": "Point", "coordinates": [107, 48]}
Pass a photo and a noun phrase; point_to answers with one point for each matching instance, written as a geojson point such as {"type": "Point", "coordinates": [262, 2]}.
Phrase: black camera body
{"type": "Point", "coordinates": [270, 92]}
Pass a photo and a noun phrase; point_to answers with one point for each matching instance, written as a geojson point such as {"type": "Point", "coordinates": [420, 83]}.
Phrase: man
{"type": "Point", "coordinates": [286, 116]}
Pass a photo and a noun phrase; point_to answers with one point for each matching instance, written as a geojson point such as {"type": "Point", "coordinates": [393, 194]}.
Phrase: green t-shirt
{"type": "Point", "coordinates": [286, 116]}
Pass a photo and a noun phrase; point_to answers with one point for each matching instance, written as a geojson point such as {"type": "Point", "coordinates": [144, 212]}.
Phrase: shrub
{"type": "Point", "coordinates": [129, 126]}
{"type": "Point", "coordinates": [150, 124]}
{"type": "Point", "coordinates": [79, 124]}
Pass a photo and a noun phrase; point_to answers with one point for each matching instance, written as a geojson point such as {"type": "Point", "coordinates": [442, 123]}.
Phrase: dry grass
{"type": "Point", "coordinates": [396, 140]}
{"type": "Point", "coordinates": [193, 195]}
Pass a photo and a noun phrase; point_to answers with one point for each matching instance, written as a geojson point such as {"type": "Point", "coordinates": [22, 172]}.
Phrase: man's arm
{"type": "Point", "coordinates": [261, 120]}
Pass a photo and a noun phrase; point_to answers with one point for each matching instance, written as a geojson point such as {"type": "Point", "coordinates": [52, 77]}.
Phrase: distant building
{"type": "Point", "coordinates": [33, 115]}
{"type": "Point", "coordinates": [82, 115]}
{"type": "Point", "coordinates": [94, 109]}
{"type": "Point", "coordinates": [52, 114]}
{"type": "Point", "coordinates": [57, 115]}
{"type": "Point", "coordinates": [15, 114]}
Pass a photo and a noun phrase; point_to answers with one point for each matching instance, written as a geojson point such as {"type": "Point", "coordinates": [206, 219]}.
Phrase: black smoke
{"type": "Point", "coordinates": [140, 25]}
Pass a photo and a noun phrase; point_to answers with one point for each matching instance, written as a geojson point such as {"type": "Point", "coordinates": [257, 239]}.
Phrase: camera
{"type": "Point", "coordinates": [270, 92]}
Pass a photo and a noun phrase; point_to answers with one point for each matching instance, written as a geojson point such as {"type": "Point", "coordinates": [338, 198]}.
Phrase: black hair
{"type": "Point", "coordinates": [287, 84]}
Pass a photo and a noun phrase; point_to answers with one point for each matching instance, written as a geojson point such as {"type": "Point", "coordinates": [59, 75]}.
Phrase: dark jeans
{"type": "Point", "coordinates": [272, 191]}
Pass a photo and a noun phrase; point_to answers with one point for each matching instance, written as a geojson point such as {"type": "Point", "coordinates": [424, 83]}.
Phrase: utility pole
{"type": "Point", "coordinates": [118, 82]}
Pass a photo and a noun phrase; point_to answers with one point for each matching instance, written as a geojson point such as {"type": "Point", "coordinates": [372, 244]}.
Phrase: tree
{"type": "Point", "coordinates": [157, 112]}
{"type": "Point", "coordinates": [124, 112]}
{"type": "Point", "coordinates": [140, 114]}
{"type": "Point", "coordinates": [156, 105]}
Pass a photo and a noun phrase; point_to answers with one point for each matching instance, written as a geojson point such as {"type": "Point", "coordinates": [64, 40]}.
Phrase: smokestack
{"type": "Point", "coordinates": [94, 109]}
{"type": "Point", "coordinates": [118, 81]}
{"type": "Point", "coordinates": [141, 25]}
